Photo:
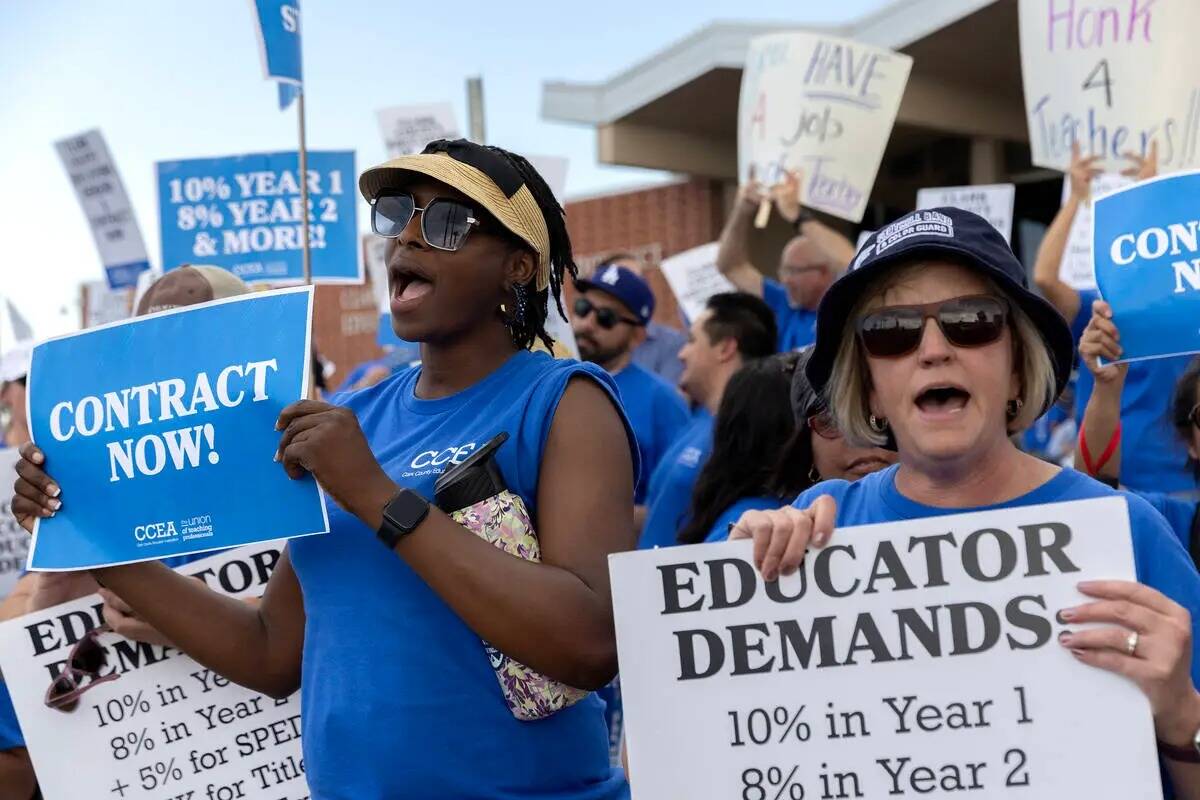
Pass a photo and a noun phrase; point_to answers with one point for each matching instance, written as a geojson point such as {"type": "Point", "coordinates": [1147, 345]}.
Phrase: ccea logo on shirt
{"type": "Point", "coordinates": [455, 454]}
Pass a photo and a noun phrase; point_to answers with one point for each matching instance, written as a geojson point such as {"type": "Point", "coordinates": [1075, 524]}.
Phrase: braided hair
{"type": "Point", "coordinates": [530, 326]}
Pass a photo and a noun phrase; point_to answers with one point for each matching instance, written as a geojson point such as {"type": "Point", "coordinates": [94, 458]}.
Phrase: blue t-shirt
{"type": "Point", "coordinates": [1178, 513]}
{"type": "Point", "coordinates": [719, 532]}
{"type": "Point", "coordinates": [670, 493]}
{"type": "Point", "coordinates": [1153, 459]}
{"type": "Point", "coordinates": [1159, 560]}
{"type": "Point", "coordinates": [398, 695]}
{"type": "Point", "coordinates": [657, 414]}
{"type": "Point", "coordinates": [659, 353]}
{"type": "Point", "coordinates": [10, 731]}
{"type": "Point", "coordinates": [797, 326]}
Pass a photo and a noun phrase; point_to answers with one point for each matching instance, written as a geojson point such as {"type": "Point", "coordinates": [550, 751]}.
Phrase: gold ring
{"type": "Point", "coordinates": [1131, 644]}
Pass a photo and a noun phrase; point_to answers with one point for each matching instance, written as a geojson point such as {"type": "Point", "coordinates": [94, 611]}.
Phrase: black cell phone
{"type": "Point", "coordinates": [472, 481]}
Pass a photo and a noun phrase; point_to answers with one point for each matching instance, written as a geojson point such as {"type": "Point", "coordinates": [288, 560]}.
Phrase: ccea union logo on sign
{"type": "Point", "coordinates": [153, 531]}
{"type": "Point", "coordinates": [450, 455]}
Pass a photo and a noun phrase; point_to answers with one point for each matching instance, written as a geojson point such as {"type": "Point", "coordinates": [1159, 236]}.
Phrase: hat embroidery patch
{"type": "Point", "coordinates": [611, 275]}
{"type": "Point", "coordinates": [920, 223]}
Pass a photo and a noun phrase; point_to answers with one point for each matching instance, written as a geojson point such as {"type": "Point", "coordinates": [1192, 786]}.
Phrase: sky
{"type": "Point", "coordinates": [167, 79]}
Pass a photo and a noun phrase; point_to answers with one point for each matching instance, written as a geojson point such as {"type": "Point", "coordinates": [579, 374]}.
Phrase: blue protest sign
{"type": "Point", "coordinates": [243, 213]}
{"type": "Point", "coordinates": [161, 432]}
{"type": "Point", "coordinates": [1145, 247]}
{"type": "Point", "coordinates": [278, 28]}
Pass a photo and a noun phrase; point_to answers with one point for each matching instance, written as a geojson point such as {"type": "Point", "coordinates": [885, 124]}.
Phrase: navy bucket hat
{"type": "Point", "coordinates": [950, 233]}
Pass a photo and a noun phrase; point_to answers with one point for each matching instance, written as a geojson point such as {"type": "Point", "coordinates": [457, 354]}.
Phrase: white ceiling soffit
{"type": "Point", "coordinates": [724, 44]}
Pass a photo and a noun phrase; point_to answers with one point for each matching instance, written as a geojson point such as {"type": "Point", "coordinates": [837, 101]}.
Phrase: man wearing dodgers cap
{"type": "Point", "coordinates": [609, 319]}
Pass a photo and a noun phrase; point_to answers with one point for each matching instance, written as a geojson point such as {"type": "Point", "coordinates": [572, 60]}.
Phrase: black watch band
{"type": "Point", "coordinates": [805, 216]}
{"type": "Point", "coordinates": [401, 516]}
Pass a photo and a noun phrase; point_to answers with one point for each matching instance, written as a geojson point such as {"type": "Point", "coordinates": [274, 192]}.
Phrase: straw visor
{"type": "Point", "coordinates": [519, 213]}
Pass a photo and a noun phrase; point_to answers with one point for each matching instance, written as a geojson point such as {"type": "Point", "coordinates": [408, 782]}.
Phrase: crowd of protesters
{"type": "Point", "coordinates": [864, 386]}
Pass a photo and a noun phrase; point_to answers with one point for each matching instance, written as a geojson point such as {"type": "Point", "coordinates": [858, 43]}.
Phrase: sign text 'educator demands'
{"type": "Point", "coordinates": [902, 659]}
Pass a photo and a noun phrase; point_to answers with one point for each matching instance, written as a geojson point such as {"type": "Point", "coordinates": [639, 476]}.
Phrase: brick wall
{"type": "Point", "coordinates": [651, 224]}
{"type": "Point", "coordinates": [345, 320]}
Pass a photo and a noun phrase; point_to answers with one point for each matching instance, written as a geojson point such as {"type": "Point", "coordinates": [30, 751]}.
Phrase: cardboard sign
{"type": "Point", "coordinates": [14, 541]}
{"type": "Point", "coordinates": [1113, 75]}
{"type": "Point", "coordinates": [167, 727]}
{"type": "Point", "coordinates": [102, 305]}
{"type": "Point", "coordinates": [902, 659]}
{"type": "Point", "coordinates": [102, 195]}
{"type": "Point", "coordinates": [165, 448]}
{"type": "Point", "coordinates": [1147, 253]}
{"type": "Point", "coordinates": [243, 213]}
{"type": "Point", "coordinates": [992, 202]}
{"type": "Point", "coordinates": [821, 105]}
{"type": "Point", "coordinates": [407, 129]}
{"type": "Point", "coordinates": [1076, 267]}
{"type": "Point", "coordinates": [693, 277]}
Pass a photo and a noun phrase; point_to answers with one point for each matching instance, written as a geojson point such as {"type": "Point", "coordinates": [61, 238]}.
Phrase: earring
{"type": "Point", "coordinates": [522, 297]}
{"type": "Point", "coordinates": [1014, 407]}
{"type": "Point", "coordinates": [878, 424]}
{"type": "Point", "coordinates": [813, 475]}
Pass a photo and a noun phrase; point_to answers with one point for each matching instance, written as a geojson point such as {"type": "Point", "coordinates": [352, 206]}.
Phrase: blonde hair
{"type": "Point", "coordinates": [847, 393]}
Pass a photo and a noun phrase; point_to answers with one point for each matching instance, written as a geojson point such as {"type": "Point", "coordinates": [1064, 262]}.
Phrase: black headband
{"type": "Point", "coordinates": [481, 158]}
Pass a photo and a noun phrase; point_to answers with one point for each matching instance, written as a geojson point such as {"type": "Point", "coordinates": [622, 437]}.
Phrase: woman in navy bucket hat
{"type": "Point", "coordinates": [933, 344]}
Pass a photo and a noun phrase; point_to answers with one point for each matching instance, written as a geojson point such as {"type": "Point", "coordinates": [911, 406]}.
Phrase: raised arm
{"type": "Point", "coordinates": [1101, 419]}
{"type": "Point", "coordinates": [1054, 244]}
{"type": "Point", "coordinates": [733, 252]}
{"type": "Point", "coordinates": [786, 196]}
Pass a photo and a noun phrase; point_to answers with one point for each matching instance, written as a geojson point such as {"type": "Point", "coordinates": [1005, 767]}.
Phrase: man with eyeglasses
{"type": "Point", "coordinates": [809, 263]}
{"type": "Point", "coordinates": [609, 319]}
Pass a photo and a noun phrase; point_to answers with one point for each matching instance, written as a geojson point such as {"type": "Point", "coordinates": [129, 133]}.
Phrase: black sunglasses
{"type": "Point", "coordinates": [81, 672]}
{"type": "Point", "coordinates": [971, 321]}
{"type": "Point", "coordinates": [445, 224]}
{"type": "Point", "coordinates": [606, 318]}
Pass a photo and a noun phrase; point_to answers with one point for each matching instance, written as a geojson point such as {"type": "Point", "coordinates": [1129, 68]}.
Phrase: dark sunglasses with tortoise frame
{"type": "Point", "coordinates": [81, 672]}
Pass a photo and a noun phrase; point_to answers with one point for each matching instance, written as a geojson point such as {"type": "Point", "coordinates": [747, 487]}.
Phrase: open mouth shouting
{"type": "Point", "coordinates": [410, 284]}
{"type": "Point", "coordinates": [942, 401]}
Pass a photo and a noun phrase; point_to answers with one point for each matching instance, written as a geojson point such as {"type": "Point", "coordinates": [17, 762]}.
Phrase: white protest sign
{"type": "Point", "coordinates": [102, 305]}
{"type": "Point", "coordinates": [1112, 75]}
{"type": "Point", "coordinates": [553, 170]}
{"type": "Point", "coordinates": [693, 277]}
{"type": "Point", "coordinates": [168, 727]}
{"type": "Point", "coordinates": [902, 659]}
{"type": "Point", "coordinates": [993, 202]}
{"type": "Point", "coordinates": [14, 541]}
{"type": "Point", "coordinates": [407, 129]}
{"type": "Point", "coordinates": [821, 105]}
{"type": "Point", "coordinates": [1076, 267]}
{"type": "Point", "coordinates": [102, 196]}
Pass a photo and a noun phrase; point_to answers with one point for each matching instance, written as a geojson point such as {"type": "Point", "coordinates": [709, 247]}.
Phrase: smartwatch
{"type": "Point", "coordinates": [1189, 753]}
{"type": "Point", "coordinates": [401, 516]}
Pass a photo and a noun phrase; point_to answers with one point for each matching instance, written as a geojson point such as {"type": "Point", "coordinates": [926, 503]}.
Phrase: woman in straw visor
{"type": "Point", "coordinates": [400, 695]}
